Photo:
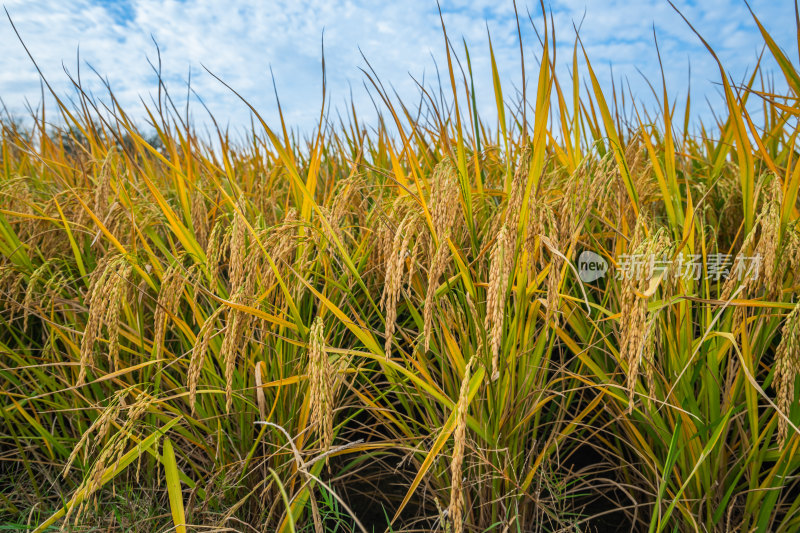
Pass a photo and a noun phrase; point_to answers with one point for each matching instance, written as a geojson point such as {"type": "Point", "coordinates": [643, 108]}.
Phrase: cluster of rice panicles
{"type": "Point", "coordinates": [762, 243]}
{"type": "Point", "coordinates": [111, 454]}
{"type": "Point", "coordinates": [640, 170]}
{"type": "Point", "coordinates": [169, 296]}
{"type": "Point", "coordinates": [216, 248]}
{"type": "Point", "coordinates": [445, 205]}
{"type": "Point", "coordinates": [637, 326]}
{"type": "Point", "coordinates": [247, 263]}
{"type": "Point", "coordinates": [560, 227]}
{"type": "Point", "coordinates": [99, 428]}
{"type": "Point", "coordinates": [108, 287]}
{"type": "Point", "coordinates": [393, 282]}
{"type": "Point", "coordinates": [244, 262]}
{"type": "Point", "coordinates": [16, 196]}
{"type": "Point", "coordinates": [282, 242]}
{"type": "Point", "coordinates": [541, 221]}
{"type": "Point", "coordinates": [501, 260]}
{"type": "Point", "coordinates": [36, 297]}
{"type": "Point", "coordinates": [339, 208]}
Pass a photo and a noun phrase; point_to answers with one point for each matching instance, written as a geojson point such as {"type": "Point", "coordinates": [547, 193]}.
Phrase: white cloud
{"type": "Point", "coordinates": [240, 39]}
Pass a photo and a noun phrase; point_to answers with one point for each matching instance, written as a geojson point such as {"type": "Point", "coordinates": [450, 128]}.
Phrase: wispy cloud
{"type": "Point", "coordinates": [239, 40]}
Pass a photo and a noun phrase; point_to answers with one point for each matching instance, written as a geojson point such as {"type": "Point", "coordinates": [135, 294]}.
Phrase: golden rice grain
{"type": "Point", "coordinates": [232, 343]}
{"type": "Point", "coordinates": [762, 246]}
{"type": "Point", "coordinates": [169, 296]}
{"type": "Point", "coordinates": [445, 198]}
{"type": "Point", "coordinates": [496, 297]}
{"type": "Point", "coordinates": [198, 356]}
{"type": "Point", "coordinates": [437, 268]}
{"type": "Point", "coordinates": [109, 456]}
{"type": "Point", "coordinates": [107, 290]}
{"type": "Point", "coordinates": [282, 248]}
{"type": "Point", "coordinates": [30, 292]}
{"type": "Point", "coordinates": [639, 328]}
{"type": "Point", "coordinates": [100, 428]}
{"type": "Point", "coordinates": [200, 221]}
{"type": "Point", "coordinates": [456, 509]}
{"type": "Point", "coordinates": [238, 251]}
{"type": "Point", "coordinates": [445, 205]}
{"type": "Point", "coordinates": [787, 367]}
{"type": "Point", "coordinates": [393, 282]}
{"type": "Point", "coordinates": [215, 249]}
{"type": "Point", "coordinates": [321, 381]}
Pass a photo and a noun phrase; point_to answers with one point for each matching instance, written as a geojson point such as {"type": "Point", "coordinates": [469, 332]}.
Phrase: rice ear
{"type": "Point", "coordinates": [198, 355]}
{"type": "Point", "coordinates": [456, 508]}
{"type": "Point", "coordinates": [105, 297]}
{"type": "Point", "coordinates": [321, 377]}
{"type": "Point", "coordinates": [496, 297]}
{"type": "Point", "coordinates": [787, 368]}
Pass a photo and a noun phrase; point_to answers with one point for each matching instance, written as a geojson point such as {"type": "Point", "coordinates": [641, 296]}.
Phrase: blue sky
{"type": "Point", "coordinates": [239, 40]}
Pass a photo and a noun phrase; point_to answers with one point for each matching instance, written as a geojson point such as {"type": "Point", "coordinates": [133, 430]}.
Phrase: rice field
{"type": "Point", "coordinates": [564, 318]}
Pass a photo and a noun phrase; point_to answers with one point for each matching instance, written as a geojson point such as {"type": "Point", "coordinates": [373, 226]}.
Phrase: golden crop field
{"type": "Point", "coordinates": [557, 320]}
